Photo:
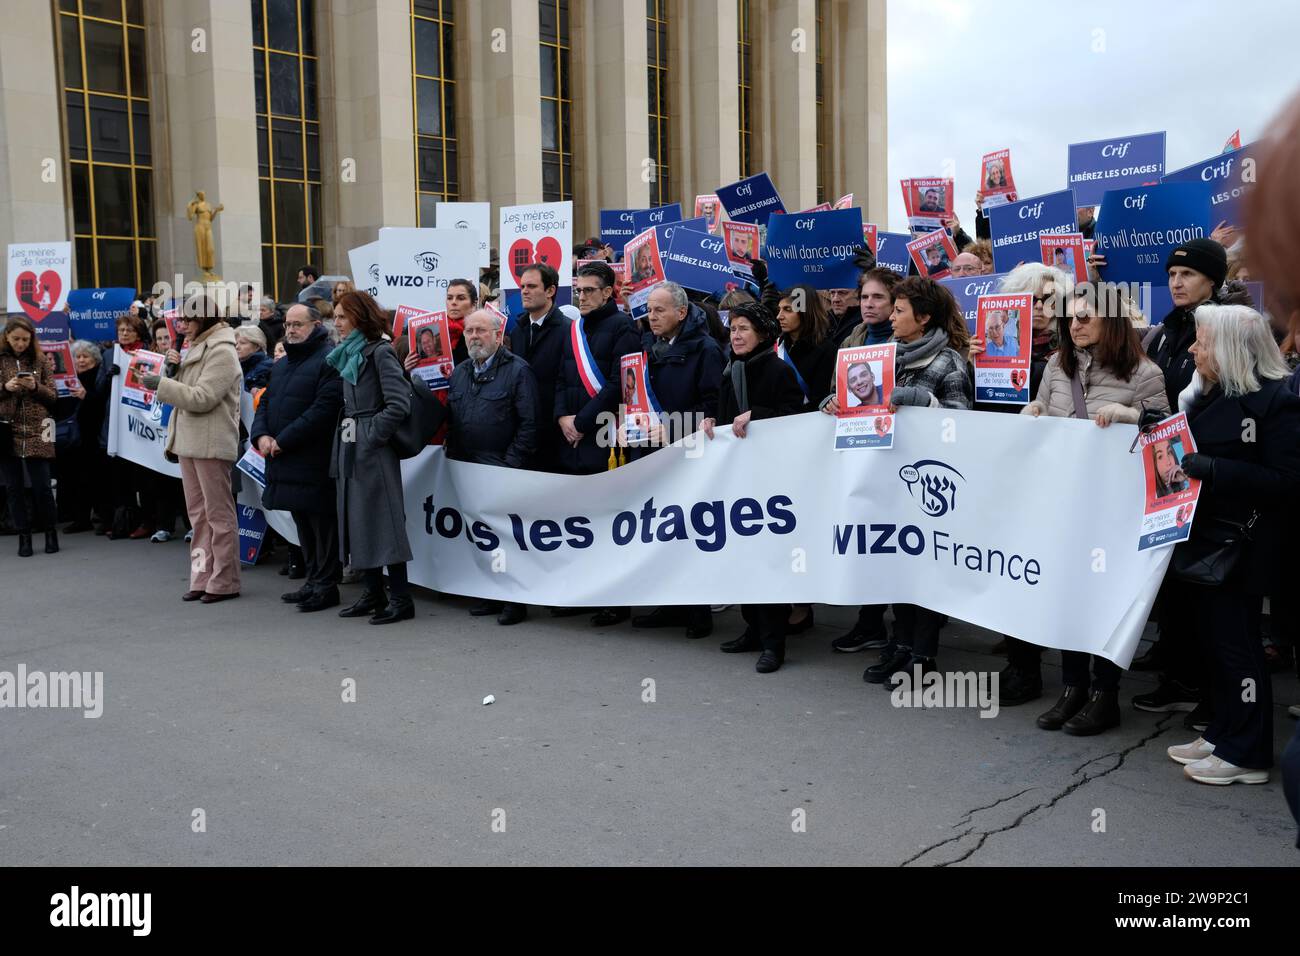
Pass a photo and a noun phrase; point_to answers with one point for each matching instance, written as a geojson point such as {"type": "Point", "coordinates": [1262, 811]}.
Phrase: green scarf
{"type": "Point", "coordinates": [346, 356]}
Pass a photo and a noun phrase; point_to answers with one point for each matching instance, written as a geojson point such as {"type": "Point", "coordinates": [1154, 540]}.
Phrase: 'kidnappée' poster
{"type": "Point", "coordinates": [140, 364]}
{"type": "Point", "coordinates": [1170, 495]}
{"type": "Point", "coordinates": [637, 412]}
{"type": "Point", "coordinates": [646, 269]}
{"type": "Point", "coordinates": [928, 201]}
{"type": "Point", "coordinates": [1005, 323]}
{"type": "Point", "coordinates": [996, 182]}
{"type": "Point", "coordinates": [429, 337]}
{"type": "Point", "coordinates": [864, 382]}
{"type": "Point", "coordinates": [932, 254]}
{"type": "Point", "coordinates": [1065, 251]}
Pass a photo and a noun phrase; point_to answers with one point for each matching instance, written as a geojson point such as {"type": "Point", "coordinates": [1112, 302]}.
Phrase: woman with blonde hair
{"type": "Point", "coordinates": [27, 398]}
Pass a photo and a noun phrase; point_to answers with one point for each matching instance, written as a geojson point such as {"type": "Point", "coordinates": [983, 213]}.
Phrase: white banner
{"type": "Point", "coordinates": [474, 216]}
{"type": "Point", "coordinates": [416, 264]}
{"type": "Point", "coordinates": [364, 261]}
{"type": "Point", "coordinates": [1021, 525]}
{"type": "Point", "coordinates": [140, 435]}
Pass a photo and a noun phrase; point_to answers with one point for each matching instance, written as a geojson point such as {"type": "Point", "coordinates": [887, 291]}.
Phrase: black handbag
{"type": "Point", "coordinates": [1209, 556]}
{"type": "Point", "coordinates": [421, 422]}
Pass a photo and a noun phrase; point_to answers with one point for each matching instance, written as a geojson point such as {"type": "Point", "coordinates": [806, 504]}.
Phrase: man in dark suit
{"type": "Point", "coordinates": [541, 338]}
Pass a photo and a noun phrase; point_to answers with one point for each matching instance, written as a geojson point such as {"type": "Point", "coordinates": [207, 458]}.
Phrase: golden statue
{"type": "Point", "coordinates": [205, 250]}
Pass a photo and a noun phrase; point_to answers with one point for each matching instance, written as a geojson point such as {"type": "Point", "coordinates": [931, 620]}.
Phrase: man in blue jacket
{"type": "Point", "coordinates": [294, 431]}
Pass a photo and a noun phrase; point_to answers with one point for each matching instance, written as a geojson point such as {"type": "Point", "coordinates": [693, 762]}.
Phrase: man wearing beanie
{"type": "Point", "coordinates": [1196, 271]}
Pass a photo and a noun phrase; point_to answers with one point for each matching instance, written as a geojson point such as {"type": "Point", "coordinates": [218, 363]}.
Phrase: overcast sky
{"type": "Point", "coordinates": [967, 77]}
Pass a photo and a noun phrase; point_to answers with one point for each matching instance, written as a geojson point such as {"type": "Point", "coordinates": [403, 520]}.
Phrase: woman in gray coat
{"type": "Point", "coordinates": [372, 519]}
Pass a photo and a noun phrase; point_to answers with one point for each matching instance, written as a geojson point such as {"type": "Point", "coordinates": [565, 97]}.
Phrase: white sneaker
{"type": "Point", "coordinates": [1198, 749]}
{"type": "Point", "coordinates": [1218, 771]}
{"type": "Point", "coordinates": [160, 536]}
{"type": "Point", "coordinates": [189, 535]}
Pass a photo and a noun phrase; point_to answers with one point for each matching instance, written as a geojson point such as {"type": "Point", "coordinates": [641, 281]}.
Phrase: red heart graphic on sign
{"type": "Point", "coordinates": [521, 257]}
{"type": "Point", "coordinates": [882, 425]}
{"type": "Point", "coordinates": [38, 297]}
{"type": "Point", "coordinates": [549, 251]}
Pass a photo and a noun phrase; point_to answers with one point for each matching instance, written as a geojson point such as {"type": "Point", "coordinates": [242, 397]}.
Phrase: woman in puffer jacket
{"type": "Point", "coordinates": [1102, 351]}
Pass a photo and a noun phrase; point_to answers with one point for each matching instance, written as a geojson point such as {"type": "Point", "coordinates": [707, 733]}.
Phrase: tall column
{"type": "Point", "coordinates": [32, 167]}
{"type": "Point", "coordinates": [367, 123]}
{"type": "Point", "coordinates": [708, 102]}
{"type": "Point", "coordinates": [205, 133]}
{"type": "Point", "coordinates": [786, 86]}
{"type": "Point", "coordinates": [856, 85]}
{"type": "Point", "coordinates": [609, 73]}
{"type": "Point", "coordinates": [498, 47]}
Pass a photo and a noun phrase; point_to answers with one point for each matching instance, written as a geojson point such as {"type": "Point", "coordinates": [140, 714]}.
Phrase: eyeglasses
{"type": "Point", "coordinates": [1081, 319]}
{"type": "Point", "coordinates": [586, 290]}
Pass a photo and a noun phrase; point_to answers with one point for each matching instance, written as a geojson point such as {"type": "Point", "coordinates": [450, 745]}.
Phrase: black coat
{"type": "Point", "coordinates": [544, 351]}
{"type": "Point", "coordinates": [300, 409]}
{"type": "Point", "coordinates": [816, 365]}
{"type": "Point", "coordinates": [1261, 474]}
{"type": "Point", "coordinates": [610, 335]}
{"type": "Point", "coordinates": [686, 379]}
{"type": "Point", "coordinates": [493, 416]}
{"type": "Point", "coordinates": [1169, 349]}
{"type": "Point", "coordinates": [772, 389]}
{"type": "Point", "coordinates": [256, 369]}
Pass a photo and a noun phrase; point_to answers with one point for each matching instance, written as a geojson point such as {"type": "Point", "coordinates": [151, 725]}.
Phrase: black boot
{"type": "Point", "coordinates": [1016, 686]}
{"type": "Point", "coordinates": [51, 541]}
{"type": "Point", "coordinates": [24, 544]}
{"type": "Point", "coordinates": [893, 658]}
{"type": "Point", "coordinates": [770, 660]}
{"type": "Point", "coordinates": [1099, 714]}
{"type": "Point", "coordinates": [400, 608]}
{"type": "Point", "coordinates": [746, 642]}
{"type": "Point", "coordinates": [699, 622]}
{"type": "Point", "coordinates": [370, 602]}
{"type": "Point", "coordinates": [1070, 703]}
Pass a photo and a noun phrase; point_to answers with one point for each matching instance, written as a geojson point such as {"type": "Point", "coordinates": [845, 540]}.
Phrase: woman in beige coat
{"type": "Point", "coordinates": [204, 434]}
{"type": "Point", "coordinates": [1101, 352]}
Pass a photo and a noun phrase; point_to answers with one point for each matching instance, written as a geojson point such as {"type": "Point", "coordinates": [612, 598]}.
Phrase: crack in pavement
{"type": "Point", "coordinates": [1160, 728]}
{"type": "Point", "coordinates": [990, 806]}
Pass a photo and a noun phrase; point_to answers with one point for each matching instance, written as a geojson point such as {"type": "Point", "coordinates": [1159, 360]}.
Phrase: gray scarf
{"type": "Point", "coordinates": [739, 384]}
{"type": "Point", "coordinates": [934, 341]}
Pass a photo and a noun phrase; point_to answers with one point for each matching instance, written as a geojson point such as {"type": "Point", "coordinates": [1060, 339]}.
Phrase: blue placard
{"type": "Point", "coordinates": [1228, 189]}
{"type": "Point", "coordinates": [698, 260]}
{"type": "Point", "coordinates": [814, 248]}
{"type": "Point", "coordinates": [891, 251]}
{"type": "Point", "coordinates": [512, 303]}
{"type": "Point", "coordinates": [1016, 226]}
{"type": "Point", "coordinates": [664, 234]}
{"type": "Point", "coordinates": [92, 313]}
{"type": "Point", "coordinates": [1097, 167]}
{"type": "Point", "coordinates": [752, 199]}
{"type": "Point", "coordinates": [616, 227]}
{"type": "Point", "coordinates": [1138, 228]}
{"type": "Point", "coordinates": [967, 290]}
{"type": "Point", "coordinates": [252, 532]}
{"type": "Point", "coordinates": [55, 327]}
{"type": "Point", "coordinates": [643, 219]}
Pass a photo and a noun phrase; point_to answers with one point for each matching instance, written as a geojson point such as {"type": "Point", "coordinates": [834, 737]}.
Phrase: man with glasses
{"type": "Point", "coordinates": [588, 390]}
{"type": "Point", "coordinates": [493, 409]}
{"type": "Point", "coordinates": [294, 431]}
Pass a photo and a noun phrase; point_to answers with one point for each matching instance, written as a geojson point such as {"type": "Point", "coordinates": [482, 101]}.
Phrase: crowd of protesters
{"type": "Point", "coordinates": [518, 399]}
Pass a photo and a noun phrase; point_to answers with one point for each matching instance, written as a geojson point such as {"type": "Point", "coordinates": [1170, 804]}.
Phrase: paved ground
{"type": "Point", "coordinates": [236, 709]}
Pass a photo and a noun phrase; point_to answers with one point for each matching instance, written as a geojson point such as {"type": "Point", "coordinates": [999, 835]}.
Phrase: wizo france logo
{"type": "Point", "coordinates": [933, 485]}
{"type": "Point", "coordinates": [428, 261]}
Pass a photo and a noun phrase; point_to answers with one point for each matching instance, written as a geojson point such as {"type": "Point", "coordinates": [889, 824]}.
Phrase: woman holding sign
{"type": "Point", "coordinates": [1100, 372]}
{"type": "Point", "coordinates": [757, 384]}
{"type": "Point", "coordinates": [1246, 424]}
{"type": "Point", "coordinates": [929, 373]}
{"type": "Point", "coordinates": [27, 398]}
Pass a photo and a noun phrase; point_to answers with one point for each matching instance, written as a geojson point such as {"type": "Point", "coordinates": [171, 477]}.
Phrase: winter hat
{"type": "Point", "coordinates": [760, 318]}
{"type": "Point", "coordinates": [1205, 256]}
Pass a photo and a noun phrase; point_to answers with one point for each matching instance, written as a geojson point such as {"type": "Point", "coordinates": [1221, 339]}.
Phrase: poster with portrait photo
{"type": "Point", "coordinates": [1169, 494]}
{"type": "Point", "coordinates": [1005, 323]}
{"type": "Point", "coordinates": [864, 381]}
{"type": "Point", "coordinates": [637, 410]}
{"type": "Point", "coordinates": [502, 320]}
{"type": "Point", "coordinates": [929, 202]}
{"type": "Point", "coordinates": [710, 207]}
{"type": "Point", "coordinates": [932, 254]}
{"type": "Point", "coordinates": [65, 369]}
{"type": "Point", "coordinates": [742, 245]}
{"type": "Point", "coordinates": [869, 236]}
{"type": "Point", "coordinates": [140, 364]}
{"type": "Point", "coordinates": [429, 337]}
{"type": "Point", "coordinates": [1065, 251]}
{"type": "Point", "coordinates": [996, 182]}
{"type": "Point", "coordinates": [844, 202]}
{"type": "Point", "coordinates": [645, 269]}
